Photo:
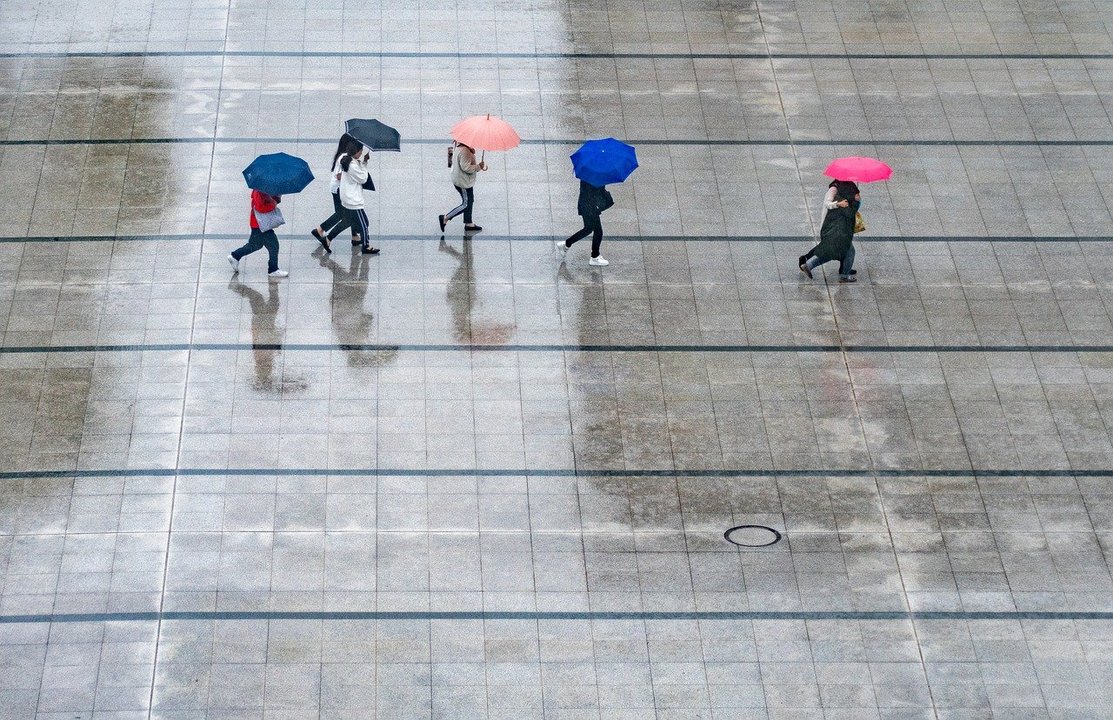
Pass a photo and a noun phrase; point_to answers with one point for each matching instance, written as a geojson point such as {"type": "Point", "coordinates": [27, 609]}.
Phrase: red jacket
{"type": "Point", "coordinates": [261, 202]}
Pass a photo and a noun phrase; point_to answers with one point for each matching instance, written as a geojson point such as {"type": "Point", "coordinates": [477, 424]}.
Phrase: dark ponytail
{"type": "Point", "coordinates": [347, 144]}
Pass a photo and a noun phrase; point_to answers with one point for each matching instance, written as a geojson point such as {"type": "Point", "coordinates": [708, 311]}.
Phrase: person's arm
{"type": "Point", "coordinates": [468, 164]}
{"type": "Point", "coordinates": [262, 203]}
{"type": "Point", "coordinates": [829, 199]}
{"type": "Point", "coordinates": [358, 169]}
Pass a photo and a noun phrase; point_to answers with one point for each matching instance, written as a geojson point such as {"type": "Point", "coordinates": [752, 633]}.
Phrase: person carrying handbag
{"type": "Point", "coordinates": [265, 217]}
{"type": "Point", "coordinates": [464, 172]}
{"type": "Point", "coordinates": [593, 201]}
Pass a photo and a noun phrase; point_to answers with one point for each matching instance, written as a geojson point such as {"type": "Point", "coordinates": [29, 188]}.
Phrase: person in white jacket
{"type": "Point", "coordinates": [464, 172]}
{"type": "Point", "coordinates": [353, 175]}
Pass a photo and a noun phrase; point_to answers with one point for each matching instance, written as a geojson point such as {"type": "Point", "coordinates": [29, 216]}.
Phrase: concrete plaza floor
{"type": "Point", "coordinates": [463, 479]}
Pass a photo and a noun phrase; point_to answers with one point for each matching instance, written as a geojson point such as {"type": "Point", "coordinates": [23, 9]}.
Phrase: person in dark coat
{"type": "Point", "coordinates": [591, 204]}
{"type": "Point", "coordinates": [836, 237]}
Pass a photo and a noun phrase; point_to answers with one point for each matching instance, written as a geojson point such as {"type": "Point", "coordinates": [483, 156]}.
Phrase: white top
{"type": "Point", "coordinates": [334, 177]}
{"type": "Point", "coordinates": [464, 168]}
{"type": "Point", "coordinates": [351, 184]}
{"type": "Point", "coordinates": [828, 204]}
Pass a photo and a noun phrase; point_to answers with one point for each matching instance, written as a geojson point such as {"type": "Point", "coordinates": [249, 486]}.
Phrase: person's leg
{"type": "Point", "coordinates": [361, 218]}
{"type": "Point", "coordinates": [597, 236]}
{"type": "Point", "coordinates": [253, 243]}
{"type": "Point", "coordinates": [579, 234]}
{"type": "Point", "coordinates": [459, 208]}
{"type": "Point", "coordinates": [469, 201]}
{"type": "Point", "coordinates": [338, 221]}
{"type": "Point", "coordinates": [846, 266]}
{"type": "Point", "coordinates": [270, 241]}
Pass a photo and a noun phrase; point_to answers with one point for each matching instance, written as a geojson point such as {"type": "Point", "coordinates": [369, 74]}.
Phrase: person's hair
{"type": "Point", "coordinates": [347, 145]}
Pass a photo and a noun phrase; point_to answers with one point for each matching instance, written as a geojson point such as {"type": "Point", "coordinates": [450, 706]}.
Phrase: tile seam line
{"type": "Point", "coordinates": [551, 348]}
{"type": "Point", "coordinates": [721, 142]}
{"type": "Point", "coordinates": [610, 238]}
{"type": "Point", "coordinates": [1018, 473]}
{"type": "Point", "coordinates": [600, 615]}
{"type": "Point", "coordinates": [511, 55]}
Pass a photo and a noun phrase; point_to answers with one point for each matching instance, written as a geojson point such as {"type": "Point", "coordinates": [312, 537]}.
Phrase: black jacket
{"type": "Point", "coordinates": [593, 200]}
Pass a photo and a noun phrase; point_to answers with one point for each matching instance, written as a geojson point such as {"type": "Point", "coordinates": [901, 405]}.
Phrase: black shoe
{"type": "Point", "coordinates": [322, 239]}
{"type": "Point", "coordinates": [472, 228]}
{"type": "Point", "coordinates": [356, 242]}
{"type": "Point", "coordinates": [370, 250]}
{"type": "Point", "coordinates": [443, 222]}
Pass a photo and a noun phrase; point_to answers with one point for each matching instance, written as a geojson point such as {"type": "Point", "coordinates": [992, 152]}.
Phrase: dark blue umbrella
{"type": "Point", "coordinates": [604, 162]}
{"type": "Point", "coordinates": [374, 134]}
{"type": "Point", "coordinates": [278, 174]}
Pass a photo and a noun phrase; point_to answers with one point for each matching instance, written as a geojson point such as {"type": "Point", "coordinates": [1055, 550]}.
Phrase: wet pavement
{"type": "Point", "coordinates": [463, 480]}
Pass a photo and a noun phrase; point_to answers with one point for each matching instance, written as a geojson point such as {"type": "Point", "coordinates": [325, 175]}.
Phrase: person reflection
{"type": "Point", "coordinates": [352, 323]}
{"type": "Point", "coordinates": [266, 335]}
{"type": "Point", "coordinates": [463, 298]}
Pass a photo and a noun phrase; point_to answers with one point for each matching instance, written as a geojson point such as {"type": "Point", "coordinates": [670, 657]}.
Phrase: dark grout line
{"type": "Point", "coordinates": [548, 348]}
{"type": "Point", "coordinates": [484, 237]}
{"type": "Point", "coordinates": [510, 55]}
{"type": "Point", "coordinates": [603, 615]}
{"type": "Point", "coordinates": [553, 473]}
{"type": "Point", "coordinates": [571, 142]}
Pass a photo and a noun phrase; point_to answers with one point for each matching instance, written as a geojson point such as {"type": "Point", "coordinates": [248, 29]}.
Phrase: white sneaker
{"type": "Point", "coordinates": [561, 248]}
{"type": "Point", "coordinates": [234, 263]}
{"type": "Point", "coordinates": [278, 274]}
{"type": "Point", "coordinates": [598, 261]}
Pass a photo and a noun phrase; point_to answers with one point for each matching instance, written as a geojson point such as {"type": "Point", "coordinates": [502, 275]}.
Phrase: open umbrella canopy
{"type": "Point", "coordinates": [485, 132]}
{"type": "Point", "coordinates": [374, 134]}
{"type": "Point", "coordinates": [604, 162]}
{"type": "Point", "coordinates": [278, 174]}
{"type": "Point", "coordinates": [858, 169]}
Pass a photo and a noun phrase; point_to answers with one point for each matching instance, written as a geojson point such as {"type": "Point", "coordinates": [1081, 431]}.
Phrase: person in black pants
{"type": "Point", "coordinates": [591, 204]}
{"type": "Point", "coordinates": [339, 220]}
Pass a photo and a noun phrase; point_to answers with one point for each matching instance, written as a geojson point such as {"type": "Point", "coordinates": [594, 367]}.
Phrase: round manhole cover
{"type": "Point", "coordinates": [752, 536]}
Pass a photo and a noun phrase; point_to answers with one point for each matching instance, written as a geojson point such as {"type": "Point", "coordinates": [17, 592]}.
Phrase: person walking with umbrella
{"type": "Point", "coordinates": [597, 164]}
{"type": "Point", "coordinates": [353, 177]}
{"type": "Point", "coordinates": [269, 177]}
{"type": "Point", "coordinates": [464, 172]}
{"type": "Point", "coordinates": [332, 226]}
{"type": "Point", "coordinates": [480, 132]}
{"type": "Point", "coordinates": [836, 238]}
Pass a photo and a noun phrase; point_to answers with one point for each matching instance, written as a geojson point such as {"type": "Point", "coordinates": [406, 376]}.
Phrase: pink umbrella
{"type": "Point", "coordinates": [858, 169]}
{"type": "Point", "coordinates": [483, 132]}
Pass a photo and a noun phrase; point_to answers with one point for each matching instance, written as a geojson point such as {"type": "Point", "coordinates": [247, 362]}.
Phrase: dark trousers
{"type": "Point", "coordinates": [338, 221]}
{"type": "Point", "coordinates": [259, 240]}
{"type": "Point", "coordinates": [358, 220]}
{"type": "Point", "coordinates": [467, 199]}
{"type": "Point", "coordinates": [593, 226]}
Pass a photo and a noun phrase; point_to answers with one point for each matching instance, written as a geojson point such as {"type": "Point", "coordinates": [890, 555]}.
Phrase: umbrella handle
{"type": "Point", "coordinates": [482, 155]}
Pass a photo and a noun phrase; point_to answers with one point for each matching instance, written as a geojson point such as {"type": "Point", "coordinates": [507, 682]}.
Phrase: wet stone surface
{"type": "Point", "coordinates": [461, 479]}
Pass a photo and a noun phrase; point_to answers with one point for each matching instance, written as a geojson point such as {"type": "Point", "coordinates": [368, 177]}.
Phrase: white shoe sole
{"type": "Point", "coordinates": [234, 263]}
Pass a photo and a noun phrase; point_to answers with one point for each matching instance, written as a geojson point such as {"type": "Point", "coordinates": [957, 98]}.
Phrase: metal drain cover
{"type": "Point", "coordinates": [752, 536]}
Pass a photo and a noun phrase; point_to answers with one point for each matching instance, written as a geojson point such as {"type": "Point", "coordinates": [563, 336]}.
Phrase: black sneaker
{"type": "Point", "coordinates": [356, 242]}
{"type": "Point", "coordinates": [443, 222]}
{"type": "Point", "coordinates": [323, 239]}
{"type": "Point", "coordinates": [370, 250]}
{"type": "Point", "coordinates": [473, 228]}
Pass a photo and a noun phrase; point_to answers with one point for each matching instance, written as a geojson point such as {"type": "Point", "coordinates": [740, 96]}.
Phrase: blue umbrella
{"type": "Point", "coordinates": [604, 162]}
{"type": "Point", "coordinates": [278, 174]}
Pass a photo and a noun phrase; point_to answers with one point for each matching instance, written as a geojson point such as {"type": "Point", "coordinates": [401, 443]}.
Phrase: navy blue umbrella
{"type": "Point", "coordinates": [374, 134]}
{"type": "Point", "coordinates": [278, 174]}
{"type": "Point", "coordinates": [604, 162]}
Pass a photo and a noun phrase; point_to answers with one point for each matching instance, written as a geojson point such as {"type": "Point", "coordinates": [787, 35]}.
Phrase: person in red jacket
{"type": "Point", "coordinates": [261, 204]}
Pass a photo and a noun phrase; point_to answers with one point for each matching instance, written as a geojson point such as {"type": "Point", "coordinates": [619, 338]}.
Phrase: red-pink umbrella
{"type": "Point", "coordinates": [484, 132]}
{"type": "Point", "coordinates": [858, 169]}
